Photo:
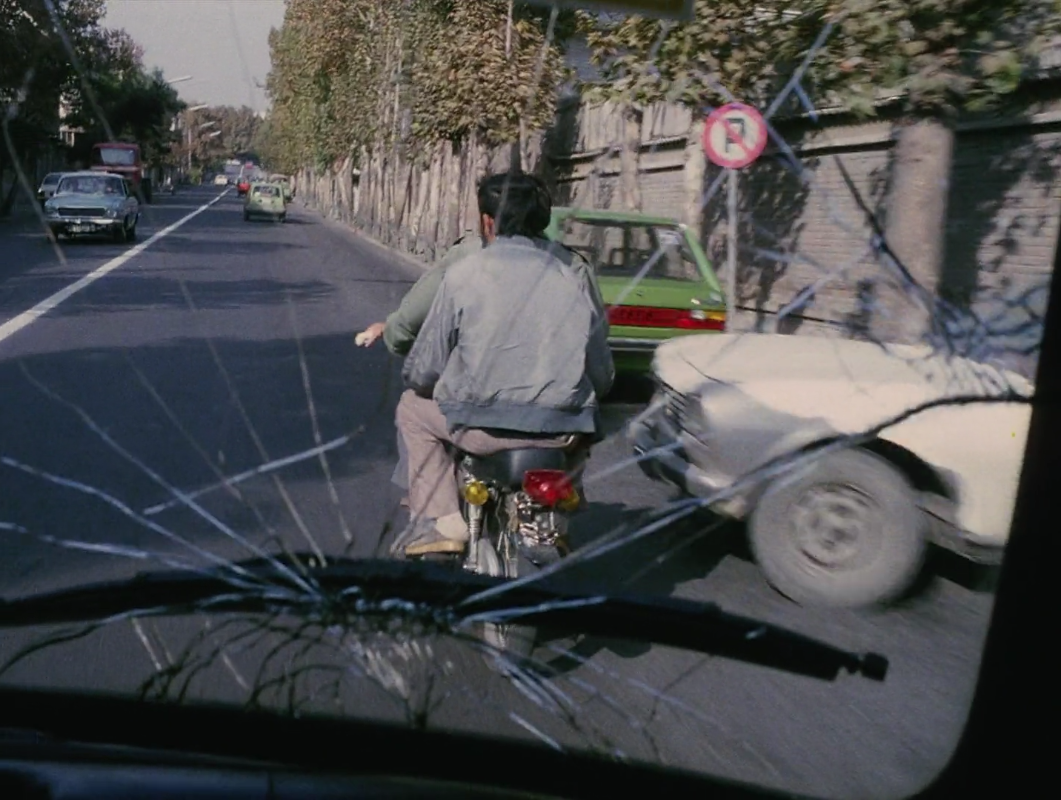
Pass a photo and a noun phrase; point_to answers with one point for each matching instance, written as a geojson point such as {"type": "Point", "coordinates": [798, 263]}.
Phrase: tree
{"type": "Point", "coordinates": [130, 105]}
{"type": "Point", "coordinates": [485, 73]}
{"type": "Point", "coordinates": [44, 43]}
{"type": "Point", "coordinates": [237, 132]}
{"type": "Point", "coordinates": [29, 45]}
{"type": "Point", "coordinates": [930, 58]}
{"type": "Point", "coordinates": [928, 61]}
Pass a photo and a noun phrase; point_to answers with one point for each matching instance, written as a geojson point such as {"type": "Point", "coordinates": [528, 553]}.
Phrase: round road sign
{"type": "Point", "coordinates": [734, 135]}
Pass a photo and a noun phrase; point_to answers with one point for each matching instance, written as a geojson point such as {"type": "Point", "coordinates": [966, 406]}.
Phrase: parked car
{"type": "Point", "coordinates": [677, 295]}
{"type": "Point", "coordinates": [265, 200]}
{"type": "Point", "coordinates": [47, 187]}
{"type": "Point", "coordinates": [92, 203]}
{"type": "Point", "coordinates": [851, 526]}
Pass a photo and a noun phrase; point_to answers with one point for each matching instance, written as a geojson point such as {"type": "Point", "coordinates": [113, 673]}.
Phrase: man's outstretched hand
{"type": "Point", "coordinates": [369, 335]}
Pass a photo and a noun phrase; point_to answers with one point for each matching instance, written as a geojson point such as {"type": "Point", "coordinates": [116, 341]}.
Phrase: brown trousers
{"type": "Point", "coordinates": [432, 473]}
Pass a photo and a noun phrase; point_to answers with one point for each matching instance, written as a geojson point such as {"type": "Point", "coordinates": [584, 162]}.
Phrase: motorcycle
{"type": "Point", "coordinates": [517, 505]}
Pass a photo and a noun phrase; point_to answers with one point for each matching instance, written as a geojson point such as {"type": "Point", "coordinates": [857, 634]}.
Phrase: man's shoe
{"type": "Point", "coordinates": [430, 542]}
{"type": "Point", "coordinates": [422, 537]}
{"type": "Point", "coordinates": [409, 534]}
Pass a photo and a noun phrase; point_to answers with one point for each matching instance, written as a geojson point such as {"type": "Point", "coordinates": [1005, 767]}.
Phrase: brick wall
{"type": "Point", "coordinates": [799, 232]}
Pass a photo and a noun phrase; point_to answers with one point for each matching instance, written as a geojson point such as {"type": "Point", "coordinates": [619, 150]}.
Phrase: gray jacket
{"type": "Point", "coordinates": [516, 340]}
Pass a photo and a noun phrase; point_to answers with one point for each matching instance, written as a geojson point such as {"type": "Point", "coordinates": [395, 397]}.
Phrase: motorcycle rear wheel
{"type": "Point", "coordinates": [514, 640]}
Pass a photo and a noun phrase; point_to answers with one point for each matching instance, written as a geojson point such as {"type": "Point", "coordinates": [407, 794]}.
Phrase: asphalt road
{"type": "Point", "coordinates": [192, 359]}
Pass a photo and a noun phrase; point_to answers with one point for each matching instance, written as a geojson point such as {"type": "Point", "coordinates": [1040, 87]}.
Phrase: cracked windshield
{"type": "Point", "coordinates": [644, 379]}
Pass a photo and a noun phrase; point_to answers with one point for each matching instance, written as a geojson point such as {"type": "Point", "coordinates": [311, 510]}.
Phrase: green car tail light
{"type": "Point", "coordinates": [679, 318]}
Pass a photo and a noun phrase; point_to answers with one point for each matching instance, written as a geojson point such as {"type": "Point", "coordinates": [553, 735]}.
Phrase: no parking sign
{"type": "Point", "coordinates": [734, 135]}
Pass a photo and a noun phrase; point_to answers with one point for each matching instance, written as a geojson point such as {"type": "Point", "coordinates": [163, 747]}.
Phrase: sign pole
{"type": "Point", "coordinates": [731, 250]}
{"type": "Point", "coordinates": [734, 136]}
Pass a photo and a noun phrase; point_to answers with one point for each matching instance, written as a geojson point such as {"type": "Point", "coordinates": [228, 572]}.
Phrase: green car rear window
{"type": "Point", "coordinates": [622, 249]}
{"type": "Point", "coordinates": [267, 191]}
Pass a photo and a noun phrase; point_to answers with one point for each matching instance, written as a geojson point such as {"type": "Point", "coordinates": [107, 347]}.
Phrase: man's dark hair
{"type": "Point", "coordinates": [519, 203]}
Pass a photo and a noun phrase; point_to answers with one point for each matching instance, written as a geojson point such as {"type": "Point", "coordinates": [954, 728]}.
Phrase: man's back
{"type": "Point", "coordinates": [514, 341]}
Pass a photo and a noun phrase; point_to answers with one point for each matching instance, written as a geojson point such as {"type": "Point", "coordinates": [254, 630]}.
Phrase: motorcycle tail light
{"type": "Point", "coordinates": [550, 488]}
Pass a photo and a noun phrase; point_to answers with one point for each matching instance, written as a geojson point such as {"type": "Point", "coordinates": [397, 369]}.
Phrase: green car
{"type": "Point", "coordinates": [264, 200]}
{"type": "Point", "coordinates": [285, 186]}
{"type": "Point", "coordinates": [677, 295]}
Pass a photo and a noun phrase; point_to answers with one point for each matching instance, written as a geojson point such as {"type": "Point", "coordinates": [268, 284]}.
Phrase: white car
{"type": "Point", "coordinates": [848, 525]}
{"type": "Point", "coordinates": [47, 188]}
{"type": "Point", "coordinates": [93, 202]}
{"type": "Point", "coordinates": [220, 180]}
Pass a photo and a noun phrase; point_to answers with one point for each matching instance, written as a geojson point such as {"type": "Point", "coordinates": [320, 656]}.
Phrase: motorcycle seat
{"type": "Point", "coordinates": [508, 466]}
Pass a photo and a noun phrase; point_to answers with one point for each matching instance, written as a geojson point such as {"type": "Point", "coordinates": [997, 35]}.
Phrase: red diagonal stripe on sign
{"type": "Point", "coordinates": [731, 132]}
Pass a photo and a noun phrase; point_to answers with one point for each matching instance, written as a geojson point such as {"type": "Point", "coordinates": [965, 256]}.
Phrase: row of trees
{"type": "Point", "coordinates": [216, 134]}
{"type": "Point", "coordinates": [380, 83]}
{"type": "Point", "coordinates": [359, 75]}
{"type": "Point", "coordinates": [58, 52]}
{"type": "Point", "coordinates": [416, 95]}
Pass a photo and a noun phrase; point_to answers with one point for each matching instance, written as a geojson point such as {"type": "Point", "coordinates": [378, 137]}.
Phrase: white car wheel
{"type": "Point", "coordinates": [846, 532]}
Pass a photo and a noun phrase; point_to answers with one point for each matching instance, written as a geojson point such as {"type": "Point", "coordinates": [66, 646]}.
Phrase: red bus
{"type": "Point", "coordinates": [122, 158]}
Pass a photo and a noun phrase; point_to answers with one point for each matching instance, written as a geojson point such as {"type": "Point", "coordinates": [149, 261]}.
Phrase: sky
{"type": "Point", "coordinates": [222, 44]}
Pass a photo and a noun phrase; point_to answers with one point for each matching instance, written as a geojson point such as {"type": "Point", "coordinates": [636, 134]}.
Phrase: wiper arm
{"type": "Point", "coordinates": [384, 588]}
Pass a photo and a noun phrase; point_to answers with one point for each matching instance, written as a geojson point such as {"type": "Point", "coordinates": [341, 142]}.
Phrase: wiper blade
{"type": "Point", "coordinates": [385, 588]}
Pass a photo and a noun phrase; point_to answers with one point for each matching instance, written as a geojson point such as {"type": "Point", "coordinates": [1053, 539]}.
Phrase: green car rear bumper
{"type": "Point", "coordinates": [260, 211]}
{"type": "Point", "coordinates": [633, 356]}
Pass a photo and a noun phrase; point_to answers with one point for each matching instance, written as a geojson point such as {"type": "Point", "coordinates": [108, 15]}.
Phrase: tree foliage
{"type": "Point", "coordinates": [37, 66]}
{"type": "Point", "coordinates": [57, 53]}
{"type": "Point", "coordinates": [935, 56]}
{"type": "Point", "coordinates": [479, 75]}
{"type": "Point", "coordinates": [352, 74]}
{"type": "Point", "coordinates": [133, 105]}
{"type": "Point", "coordinates": [737, 44]}
{"type": "Point", "coordinates": [238, 132]}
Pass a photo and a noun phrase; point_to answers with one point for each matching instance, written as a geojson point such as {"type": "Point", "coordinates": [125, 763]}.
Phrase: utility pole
{"type": "Point", "coordinates": [186, 123]}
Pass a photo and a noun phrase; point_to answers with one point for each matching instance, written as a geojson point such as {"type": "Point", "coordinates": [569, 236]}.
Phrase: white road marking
{"type": "Point", "coordinates": [26, 318]}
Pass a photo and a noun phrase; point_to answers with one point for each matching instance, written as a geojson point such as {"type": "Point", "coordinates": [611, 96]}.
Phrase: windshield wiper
{"type": "Point", "coordinates": [444, 596]}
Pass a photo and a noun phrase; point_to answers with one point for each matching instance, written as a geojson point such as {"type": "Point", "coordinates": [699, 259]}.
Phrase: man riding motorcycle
{"type": "Point", "coordinates": [513, 353]}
